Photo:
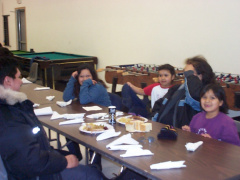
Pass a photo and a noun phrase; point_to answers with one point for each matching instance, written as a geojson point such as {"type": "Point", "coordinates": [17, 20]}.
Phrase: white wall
{"type": "Point", "coordinates": [133, 31]}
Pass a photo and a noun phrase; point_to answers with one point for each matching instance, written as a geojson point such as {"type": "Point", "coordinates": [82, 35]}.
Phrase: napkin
{"type": "Point", "coordinates": [125, 139]}
{"type": "Point", "coordinates": [56, 115]}
{"type": "Point", "coordinates": [73, 116]}
{"type": "Point", "coordinates": [118, 113]}
{"type": "Point", "coordinates": [25, 81]}
{"type": "Point", "coordinates": [41, 88]}
{"type": "Point", "coordinates": [125, 147]}
{"type": "Point", "coordinates": [168, 165]}
{"type": "Point", "coordinates": [92, 108]}
{"type": "Point", "coordinates": [97, 115]}
{"type": "Point", "coordinates": [193, 146]}
{"type": "Point", "coordinates": [50, 98]}
{"type": "Point", "coordinates": [36, 105]}
{"type": "Point", "coordinates": [108, 134]}
{"type": "Point", "coordinates": [63, 104]}
{"type": "Point", "coordinates": [74, 121]}
{"type": "Point", "coordinates": [43, 111]}
{"type": "Point", "coordinates": [136, 152]}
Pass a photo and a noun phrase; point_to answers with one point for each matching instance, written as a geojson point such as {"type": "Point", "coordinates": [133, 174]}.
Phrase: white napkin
{"type": "Point", "coordinates": [50, 98]}
{"type": "Point", "coordinates": [63, 104]}
{"type": "Point", "coordinates": [168, 165]}
{"type": "Point", "coordinates": [118, 113]}
{"type": "Point", "coordinates": [125, 147]}
{"type": "Point", "coordinates": [74, 121]}
{"type": "Point", "coordinates": [125, 139]}
{"type": "Point", "coordinates": [108, 134]}
{"type": "Point", "coordinates": [97, 115]}
{"type": "Point", "coordinates": [25, 81]}
{"type": "Point", "coordinates": [36, 105]}
{"type": "Point", "coordinates": [193, 146]}
{"type": "Point", "coordinates": [136, 152]}
{"type": "Point", "coordinates": [73, 116]}
{"type": "Point", "coordinates": [56, 115]}
{"type": "Point", "coordinates": [92, 108]}
{"type": "Point", "coordinates": [41, 88]}
{"type": "Point", "coordinates": [43, 111]}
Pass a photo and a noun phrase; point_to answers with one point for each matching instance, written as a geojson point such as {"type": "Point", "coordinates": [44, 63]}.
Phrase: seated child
{"type": "Point", "coordinates": [85, 85]}
{"type": "Point", "coordinates": [166, 74]}
{"type": "Point", "coordinates": [213, 121]}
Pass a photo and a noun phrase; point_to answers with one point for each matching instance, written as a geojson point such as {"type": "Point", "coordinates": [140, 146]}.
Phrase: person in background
{"type": "Point", "coordinates": [166, 75]}
{"type": "Point", "coordinates": [25, 149]}
{"type": "Point", "coordinates": [85, 85]}
{"type": "Point", "coordinates": [181, 102]}
{"type": "Point", "coordinates": [213, 121]}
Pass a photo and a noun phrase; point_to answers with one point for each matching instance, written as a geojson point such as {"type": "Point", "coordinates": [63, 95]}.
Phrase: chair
{"type": "Point", "coordinates": [33, 74]}
{"type": "Point", "coordinates": [3, 172]}
{"type": "Point", "coordinates": [114, 85]}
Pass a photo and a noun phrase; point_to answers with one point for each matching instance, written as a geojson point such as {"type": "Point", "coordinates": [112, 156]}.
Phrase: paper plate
{"type": "Point", "coordinates": [82, 128]}
{"type": "Point", "coordinates": [130, 117]}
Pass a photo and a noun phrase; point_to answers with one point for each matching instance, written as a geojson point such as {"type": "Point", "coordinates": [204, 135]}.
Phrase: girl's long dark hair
{"type": "Point", "coordinates": [219, 92]}
{"type": "Point", "coordinates": [94, 77]}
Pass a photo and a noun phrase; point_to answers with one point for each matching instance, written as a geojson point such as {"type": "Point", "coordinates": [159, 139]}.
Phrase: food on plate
{"type": "Point", "coordinates": [138, 126]}
{"type": "Point", "coordinates": [94, 127]}
{"type": "Point", "coordinates": [124, 120]}
{"type": "Point", "coordinates": [130, 126]}
{"type": "Point", "coordinates": [146, 127]}
{"type": "Point", "coordinates": [138, 118]}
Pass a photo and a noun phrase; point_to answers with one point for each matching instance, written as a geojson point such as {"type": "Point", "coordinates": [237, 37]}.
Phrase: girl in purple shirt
{"type": "Point", "coordinates": [213, 121]}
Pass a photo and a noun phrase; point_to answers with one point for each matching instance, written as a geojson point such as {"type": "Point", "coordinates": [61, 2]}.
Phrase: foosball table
{"type": "Point", "coordinates": [141, 73]}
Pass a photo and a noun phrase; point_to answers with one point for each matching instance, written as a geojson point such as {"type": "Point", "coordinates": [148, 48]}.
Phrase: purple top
{"type": "Point", "coordinates": [221, 127]}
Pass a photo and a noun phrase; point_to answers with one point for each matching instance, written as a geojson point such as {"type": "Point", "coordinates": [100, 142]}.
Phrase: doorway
{"type": "Point", "coordinates": [21, 29]}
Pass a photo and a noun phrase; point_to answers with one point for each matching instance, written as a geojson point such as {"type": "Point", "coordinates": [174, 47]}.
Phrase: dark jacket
{"type": "Point", "coordinates": [24, 146]}
{"type": "Point", "coordinates": [180, 103]}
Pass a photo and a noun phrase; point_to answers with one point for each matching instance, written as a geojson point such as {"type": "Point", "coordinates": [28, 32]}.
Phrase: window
{"type": "Point", "coordinates": [5, 29]}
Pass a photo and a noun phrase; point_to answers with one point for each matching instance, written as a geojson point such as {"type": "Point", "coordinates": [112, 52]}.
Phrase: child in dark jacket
{"type": "Point", "coordinates": [213, 121]}
{"type": "Point", "coordinates": [181, 102]}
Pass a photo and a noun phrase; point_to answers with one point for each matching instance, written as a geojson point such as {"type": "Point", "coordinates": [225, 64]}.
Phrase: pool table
{"type": "Point", "coordinates": [59, 66]}
{"type": "Point", "coordinates": [15, 52]}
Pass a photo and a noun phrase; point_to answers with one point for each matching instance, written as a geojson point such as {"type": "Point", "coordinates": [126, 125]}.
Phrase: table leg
{"type": "Point", "coordinates": [86, 155]}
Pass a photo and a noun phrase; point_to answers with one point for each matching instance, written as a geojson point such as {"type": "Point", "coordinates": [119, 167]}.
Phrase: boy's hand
{"type": "Point", "coordinates": [72, 161]}
{"type": "Point", "coordinates": [186, 128]}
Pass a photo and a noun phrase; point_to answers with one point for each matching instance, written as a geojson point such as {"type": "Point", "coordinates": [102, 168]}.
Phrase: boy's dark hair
{"type": "Point", "coordinates": [202, 67]}
{"type": "Point", "coordinates": [90, 67]}
{"type": "Point", "coordinates": [8, 67]}
{"type": "Point", "coordinates": [167, 67]}
{"type": "Point", "coordinates": [219, 92]}
{"type": "Point", "coordinates": [5, 52]}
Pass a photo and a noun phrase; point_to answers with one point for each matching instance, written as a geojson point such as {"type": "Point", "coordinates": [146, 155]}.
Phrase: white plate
{"type": "Point", "coordinates": [81, 128]}
{"type": "Point", "coordinates": [130, 117]}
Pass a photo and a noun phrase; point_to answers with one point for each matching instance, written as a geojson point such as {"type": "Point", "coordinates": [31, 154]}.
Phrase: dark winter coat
{"type": "Point", "coordinates": [24, 146]}
{"type": "Point", "coordinates": [180, 103]}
